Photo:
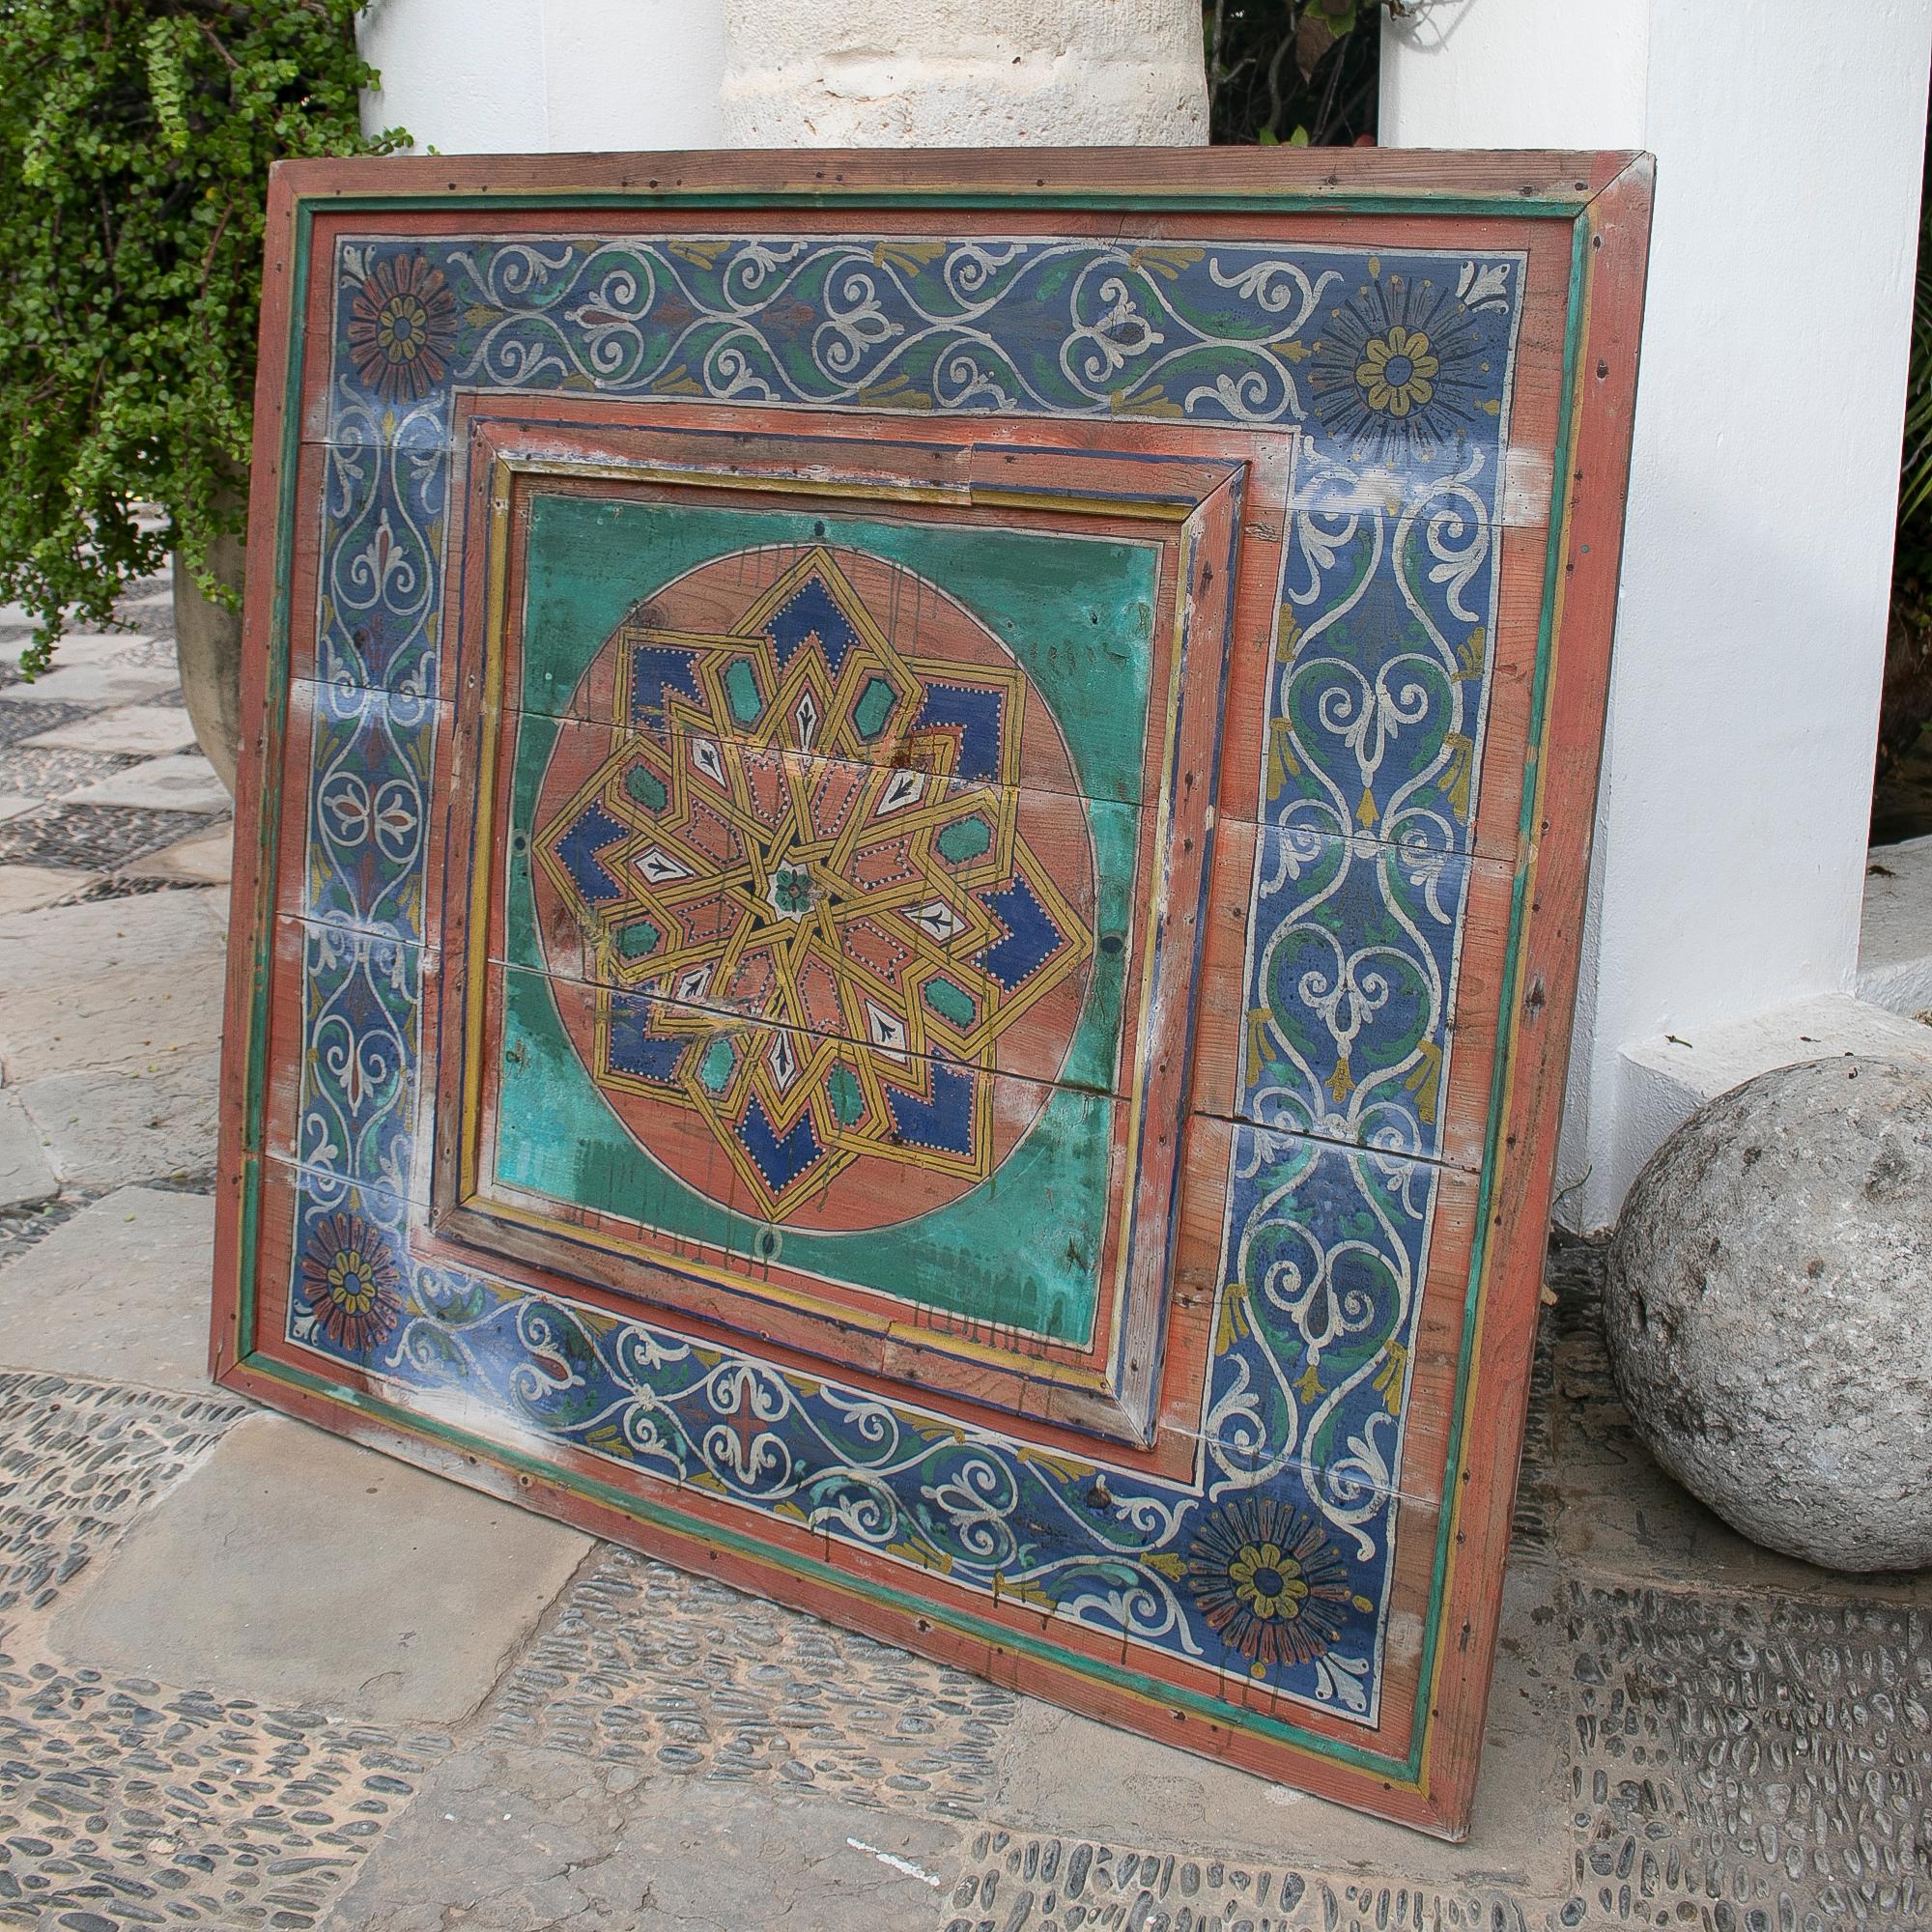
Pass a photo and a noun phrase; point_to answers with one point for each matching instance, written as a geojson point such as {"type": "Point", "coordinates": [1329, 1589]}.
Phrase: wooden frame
{"type": "Point", "coordinates": [1275, 1530]}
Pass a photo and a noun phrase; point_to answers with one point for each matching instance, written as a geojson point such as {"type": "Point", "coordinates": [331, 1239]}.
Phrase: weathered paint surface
{"type": "Point", "coordinates": [1280, 749]}
{"type": "Point", "coordinates": [842, 1010]}
{"type": "Point", "coordinates": [1374, 708]}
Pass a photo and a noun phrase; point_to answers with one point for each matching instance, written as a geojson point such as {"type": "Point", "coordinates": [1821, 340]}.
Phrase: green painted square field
{"type": "Point", "coordinates": [1023, 1249]}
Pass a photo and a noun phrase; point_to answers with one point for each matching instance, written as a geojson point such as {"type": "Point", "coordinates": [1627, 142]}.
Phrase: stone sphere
{"type": "Point", "coordinates": [1768, 1310]}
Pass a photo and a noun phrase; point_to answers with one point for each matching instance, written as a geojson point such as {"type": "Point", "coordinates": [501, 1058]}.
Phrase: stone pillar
{"type": "Point", "coordinates": [964, 74]}
{"type": "Point", "coordinates": [1750, 638]}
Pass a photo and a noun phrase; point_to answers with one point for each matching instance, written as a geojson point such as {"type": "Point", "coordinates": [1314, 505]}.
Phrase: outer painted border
{"type": "Point", "coordinates": [1605, 200]}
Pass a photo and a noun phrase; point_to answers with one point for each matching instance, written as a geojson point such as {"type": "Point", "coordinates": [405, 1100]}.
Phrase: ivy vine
{"type": "Point", "coordinates": [135, 142]}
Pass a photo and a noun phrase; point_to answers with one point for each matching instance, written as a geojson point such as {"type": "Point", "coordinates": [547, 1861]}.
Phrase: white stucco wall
{"type": "Point", "coordinates": [1731, 829]}
{"type": "Point", "coordinates": [507, 77]}
{"type": "Point", "coordinates": [536, 76]}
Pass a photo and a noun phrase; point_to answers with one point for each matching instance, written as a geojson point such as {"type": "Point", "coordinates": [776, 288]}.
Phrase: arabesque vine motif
{"type": "Point", "coordinates": [1274, 1559]}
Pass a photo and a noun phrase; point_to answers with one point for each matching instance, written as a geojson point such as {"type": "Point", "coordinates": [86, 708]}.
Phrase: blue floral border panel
{"type": "Point", "coordinates": [1272, 1562]}
{"type": "Point", "coordinates": [1397, 370]}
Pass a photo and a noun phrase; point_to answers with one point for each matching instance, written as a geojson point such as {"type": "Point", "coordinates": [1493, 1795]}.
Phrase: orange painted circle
{"type": "Point", "coordinates": [814, 887]}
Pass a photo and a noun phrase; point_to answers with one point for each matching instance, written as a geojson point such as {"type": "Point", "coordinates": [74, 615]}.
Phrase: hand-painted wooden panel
{"type": "Point", "coordinates": [921, 831]}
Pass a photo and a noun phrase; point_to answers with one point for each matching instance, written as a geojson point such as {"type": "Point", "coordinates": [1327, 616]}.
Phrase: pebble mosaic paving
{"type": "Point", "coordinates": [50, 772]}
{"type": "Point", "coordinates": [644, 1664]}
{"type": "Point", "coordinates": [1736, 1764]}
{"type": "Point", "coordinates": [1049, 1885]}
{"type": "Point", "coordinates": [84, 838]}
{"type": "Point", "coordinates": [1750, 1765]}
{"type": "Point", "coordinates": [78, 1460]}
{"type": "Point", "coordinates": [91, 838]}
{"type": "Point", "coordinates": [128, 1805]}
{"type": "Point", "coordinates": [18, 720]}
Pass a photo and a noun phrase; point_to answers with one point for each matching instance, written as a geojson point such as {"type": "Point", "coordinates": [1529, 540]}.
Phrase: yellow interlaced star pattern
{"type": "Point", "coordinates": [804, 889]}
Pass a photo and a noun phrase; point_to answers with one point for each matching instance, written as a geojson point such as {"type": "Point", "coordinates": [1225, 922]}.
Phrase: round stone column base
{"type": "Point", "coordinates": [966, 74]}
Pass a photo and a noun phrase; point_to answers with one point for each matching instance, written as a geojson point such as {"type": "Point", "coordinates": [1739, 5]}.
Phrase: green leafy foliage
{"type": "Point", "coordinates": [135, 141]}
{"type": "Point", "coordinates": [1293, 72]}
{"type": "Point", "coordinates": [1915, 475]}
{"type": "Point", "coordinates": [1902, 797]}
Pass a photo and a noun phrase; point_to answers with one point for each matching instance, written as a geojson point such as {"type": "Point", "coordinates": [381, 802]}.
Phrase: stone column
{"type": "Point", "coordinates": [964, 74]}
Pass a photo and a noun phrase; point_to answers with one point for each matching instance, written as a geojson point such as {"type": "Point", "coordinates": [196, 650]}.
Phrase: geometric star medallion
{"type": "Point", "coordinates": [820, 911]}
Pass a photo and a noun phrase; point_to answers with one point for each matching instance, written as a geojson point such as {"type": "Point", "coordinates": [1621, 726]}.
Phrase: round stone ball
{"type": "Point", "coordinates": [1768, 1310]}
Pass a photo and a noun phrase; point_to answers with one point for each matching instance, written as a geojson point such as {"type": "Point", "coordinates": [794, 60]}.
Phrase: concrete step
{"type": "Point", "coordinates": [1666, 1078]}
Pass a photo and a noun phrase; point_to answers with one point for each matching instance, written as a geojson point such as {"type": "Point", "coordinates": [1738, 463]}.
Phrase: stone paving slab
{"type": "Point", "coordinates": [118, 1292]}
{"type": "Point", "coordinates": [29, 888]}
{"type": "Point", "coordinates": [1061, 1775]}
{"type": "Point", "coordinates": [116, 982]}
{"type": "Point", "coordinates": [296, 1568]}
{"type": "Point", "coordinates": [506, 1839]}
{"type": "Point", "coordinates": [106, 1127]}
{"type": "Point", "coordinates": [26, 1179]}
{"type": "Point", "coordinates": [79, 1461]}
{"type": "Point", "coordinates": [145, 730]}
{"type": "Point", "coordinates": [204, 858]}
{"type": "Point", "coordinates": [93, 684]}
{"type": "Point", "coordinates": [28, 1227]}
{"type": "Point", "coordinates": [126, 1804]}
{"type": "Point", "coordinates": [76, 647]}
{"type": "Point", "coordinates": [183, 781]}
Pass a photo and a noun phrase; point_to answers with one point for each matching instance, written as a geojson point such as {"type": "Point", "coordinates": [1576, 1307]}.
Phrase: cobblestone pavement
{"type": "Point", "coordinates": [222, 1705]}
{"type": "Point", "coordinates": [101, 790]}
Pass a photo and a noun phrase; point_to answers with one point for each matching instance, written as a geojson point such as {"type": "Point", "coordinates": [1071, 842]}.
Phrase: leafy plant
{"type": "Point", "coordinates": [1905, 704]}
{"type": "Point", "coordinates": [135, 140]}
{"type": "Point", "coordinates": [1301, 72]}
{"type": "Point", "coordinates": [1914, 470]}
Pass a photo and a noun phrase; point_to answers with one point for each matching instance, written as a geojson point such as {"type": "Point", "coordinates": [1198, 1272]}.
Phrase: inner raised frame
{"type": "Point", "coordinates": [1189, 493]}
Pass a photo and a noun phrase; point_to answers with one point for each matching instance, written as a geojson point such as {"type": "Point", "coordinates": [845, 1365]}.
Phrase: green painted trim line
{"type": "Point", "coordinates": [412, 1422]}
{"type": "Point", "coordinates": [250, 1235]}
{"type": "Point", "coordinates": [1261, 201]}
{"type": "Point", "coordinates": [269, 832]}
{"type": "Point", "coordinates": [1559, 503]}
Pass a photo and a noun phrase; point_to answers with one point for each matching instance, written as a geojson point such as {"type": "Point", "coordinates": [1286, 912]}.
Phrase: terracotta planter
{"type": "Point", "coordinates": [207, 640]}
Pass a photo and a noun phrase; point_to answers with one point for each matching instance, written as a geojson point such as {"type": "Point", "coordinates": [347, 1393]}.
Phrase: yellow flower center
{"type": "Point", "coordinates": [348, 1283]}
{"type": "Point", "coordinates": [403, 329]}
{"type": "Point", "coordinates": [1269, 1582]}
{"type": "Point", "coordinates": [1397, 372]}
